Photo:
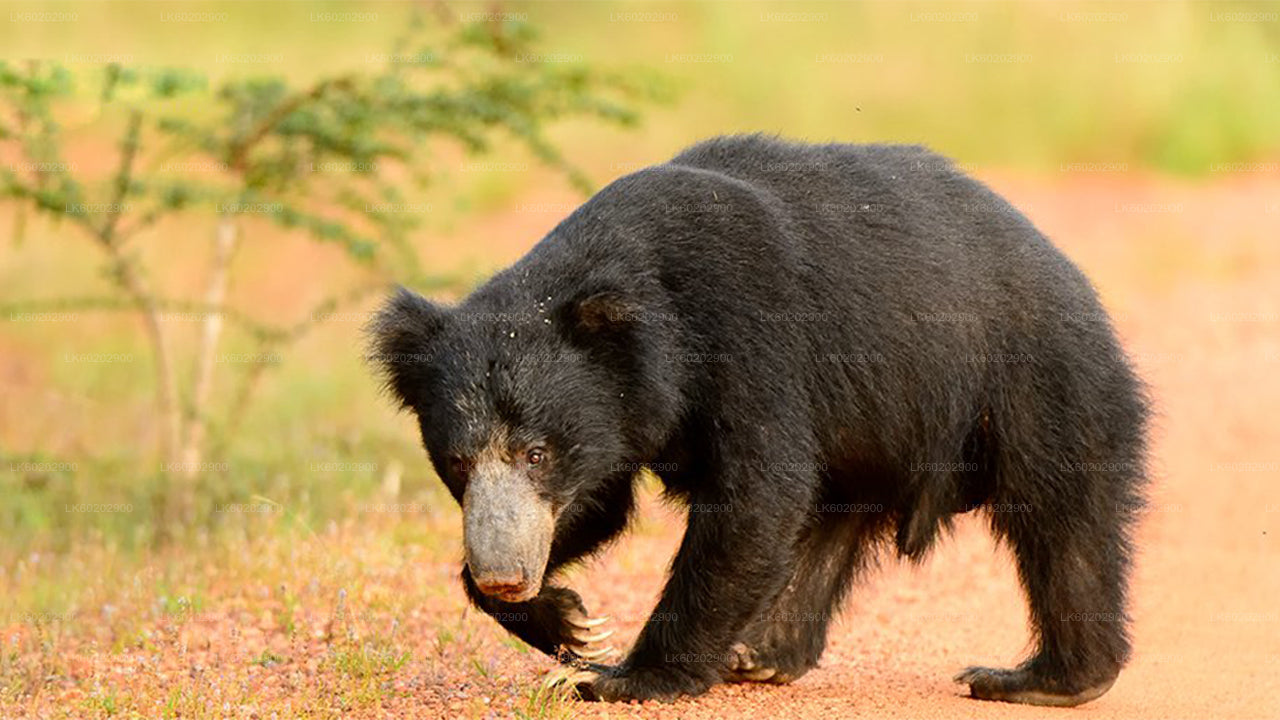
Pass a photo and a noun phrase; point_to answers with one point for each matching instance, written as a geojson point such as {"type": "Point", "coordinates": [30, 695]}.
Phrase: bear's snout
{"type": "Point", "coordinates": [504, 588]}
{"type": "Point", "coordinates": [507, 529]}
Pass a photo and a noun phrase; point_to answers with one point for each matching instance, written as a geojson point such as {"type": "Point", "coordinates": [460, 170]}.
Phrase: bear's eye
{"type": "Point", "coordinates": [458, 465]}
{"type": "Point", "coordinates": [536, 456]}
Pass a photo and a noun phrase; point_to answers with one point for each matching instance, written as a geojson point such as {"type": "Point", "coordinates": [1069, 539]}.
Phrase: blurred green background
{"type": "Point", "coordinates": [1168, 85]}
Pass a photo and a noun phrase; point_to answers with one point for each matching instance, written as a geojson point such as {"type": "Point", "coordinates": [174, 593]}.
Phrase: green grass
{"type": "Point", "coordinates": [269, 659]}
{"type": "Point", "coordinates": [365, 667]}
{"type": "Point", "coordinates": [548, 703]}
{"type": "Point", "coordinates": [307, 607]}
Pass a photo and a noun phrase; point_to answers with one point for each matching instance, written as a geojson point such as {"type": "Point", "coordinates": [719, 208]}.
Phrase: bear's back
{"type": "Point", "coordinates": [787, 167]}
{"type": "Point", "coordinates": [893, 211]}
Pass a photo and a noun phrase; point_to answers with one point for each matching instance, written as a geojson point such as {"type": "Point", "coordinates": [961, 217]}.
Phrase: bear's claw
{"type": "Point", "coordinates": [596, 654]}
{"type": "Point", "coordinates": [569, 676]}
{"type": "Point", "coordinates": [583, 642]}
{"type": "Point", "coordinates": [578, 680]}
{"type": "Point", "coordinates": [586, 623]}
{"type": "Point", "coordinates": [744, 666]}
{"type": "Point", "coordinates": [586, 639]}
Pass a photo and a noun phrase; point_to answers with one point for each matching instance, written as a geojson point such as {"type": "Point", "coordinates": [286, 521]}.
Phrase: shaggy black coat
{"type": "Point", "coordinates": [823, 349]}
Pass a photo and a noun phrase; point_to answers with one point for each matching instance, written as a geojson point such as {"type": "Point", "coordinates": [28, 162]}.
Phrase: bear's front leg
{"type": "Point", "coordinates": [735, 557]}
{"type": "Point", "coordinates": [554, 621]}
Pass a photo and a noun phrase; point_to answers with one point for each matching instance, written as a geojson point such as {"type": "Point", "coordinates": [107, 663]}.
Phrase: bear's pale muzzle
{"type": "Point", "coordinates": [507, 531]}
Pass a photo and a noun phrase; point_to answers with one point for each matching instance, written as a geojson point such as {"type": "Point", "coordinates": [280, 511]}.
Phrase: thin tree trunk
{"type": "Point", "coordinates": [224, 246]}
{"type": "Point", "coordinates": [132, 282]}
{"type": "Point", "coordinates": [166, 380]}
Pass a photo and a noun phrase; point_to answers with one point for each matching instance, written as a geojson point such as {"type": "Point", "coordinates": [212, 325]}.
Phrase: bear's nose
{"type": "Point", "coordinates": [509, 587]}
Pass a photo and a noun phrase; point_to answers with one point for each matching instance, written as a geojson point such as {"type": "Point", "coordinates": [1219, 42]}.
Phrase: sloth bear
{"type": "Point", "coordinates": [833, 349]}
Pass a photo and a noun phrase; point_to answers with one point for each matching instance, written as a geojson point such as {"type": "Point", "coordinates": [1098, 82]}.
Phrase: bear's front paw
{"type": "Point", "coordinates": [580, 635]}
{"type": "Point", "coordinates": [592, 681]}
{"type": "Point", "coordinates": [557, 623]}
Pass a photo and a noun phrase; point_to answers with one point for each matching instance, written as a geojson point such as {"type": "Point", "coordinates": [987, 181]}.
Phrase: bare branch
{"type": "Point", "coordinates": [238, 160]}
{"type": "Point", "coordinates": [124, 177]}
{"type": "Point", "coordinates": [224, 246]}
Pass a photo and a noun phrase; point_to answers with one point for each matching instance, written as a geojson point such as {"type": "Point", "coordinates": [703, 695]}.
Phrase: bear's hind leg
{"type": "Point", "coordinates": [1073, 559]}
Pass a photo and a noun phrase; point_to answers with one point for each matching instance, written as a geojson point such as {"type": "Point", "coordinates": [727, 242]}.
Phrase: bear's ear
{"type": "Point", "coordinates": [597, 314]}
{"type": "Point", "coordinates": [401, 337]}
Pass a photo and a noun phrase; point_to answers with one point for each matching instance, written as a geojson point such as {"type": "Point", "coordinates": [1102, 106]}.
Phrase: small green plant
{"type": "Point", "coordinates": [516, 644]}
{"type": "Point", "coordinates": [548, 703]}
{"type": "Point", "coordinates": [286, 611]}
{"type": "Point", "coordinates": [30, 657]}
{"type": "Point", "coordinates": [364, 668]}
{"type": "Point", "coordinates": [103, 702]}
{"type": "Point", "coordinates": [368, 659]}
{"type": "Point", "coordinates": [269, 659]}
{"type": "Point", "coordinates": [334, 159]}
{"type": "Point", "coordinates": [444, 636]}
